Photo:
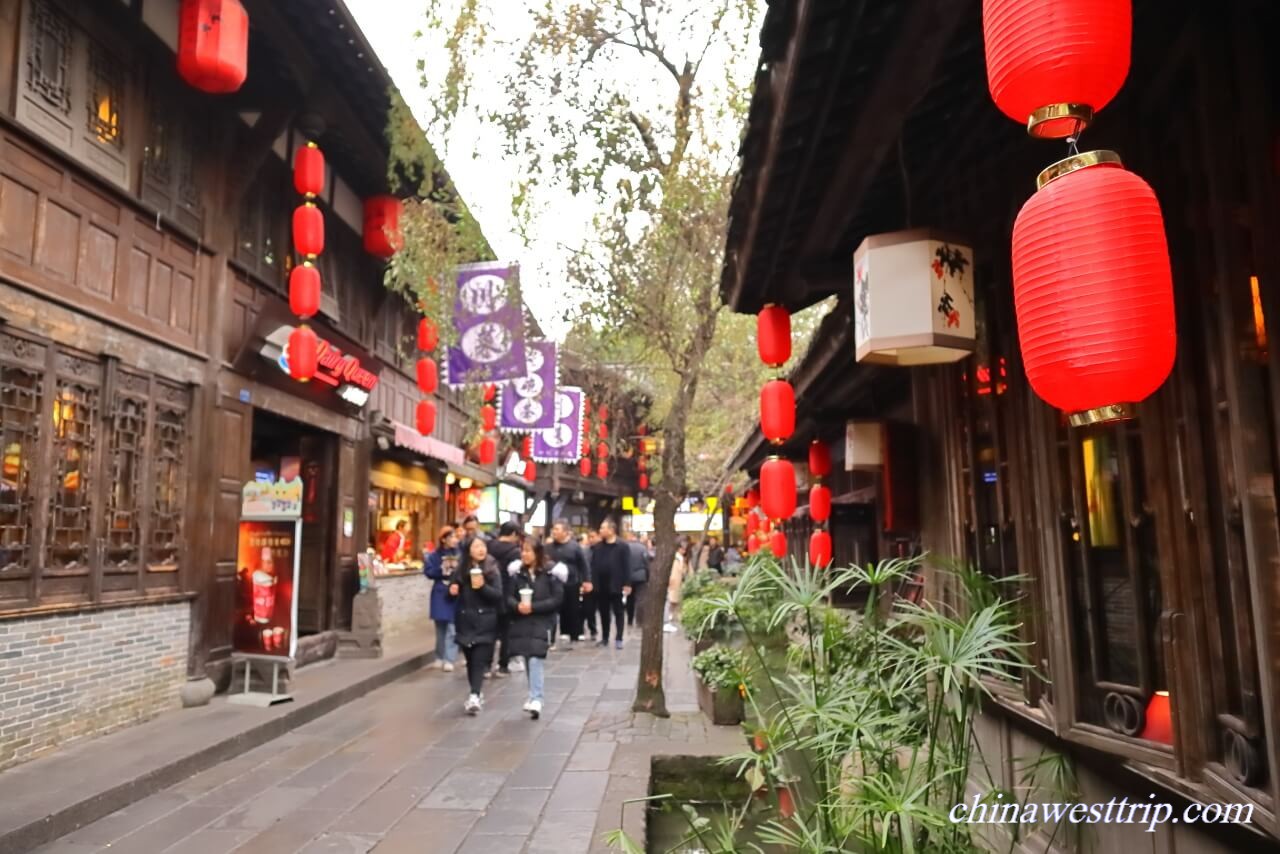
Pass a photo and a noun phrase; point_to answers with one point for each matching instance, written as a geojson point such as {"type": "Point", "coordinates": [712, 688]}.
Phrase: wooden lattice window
{"type": "Point", "coordinates": [105, 93]}
{"type": "Point", "coordinates": [21, 422]}
{"type": "Point", "coordinates": [75, 437]}
{"type": "Point", "coordinates": [168, 478]}
{"type": "Point", "coordinates": [49, 55]}
{"type": "Point", "coordinates": [127, 451]}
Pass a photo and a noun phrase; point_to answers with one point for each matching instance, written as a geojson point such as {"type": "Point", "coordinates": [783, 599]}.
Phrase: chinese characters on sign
{"type": "Point", "coordinates": [528, 403]}
{"type": "Point", "coordinates": [490, 327]}
{"type": "Point", "coordinates": [561, 443]}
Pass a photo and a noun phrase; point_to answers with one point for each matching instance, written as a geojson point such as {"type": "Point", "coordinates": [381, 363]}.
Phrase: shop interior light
{"type": "Point", "coordinates": [465, 483]}
{"type": "Point", "coordinates": [451, 478]}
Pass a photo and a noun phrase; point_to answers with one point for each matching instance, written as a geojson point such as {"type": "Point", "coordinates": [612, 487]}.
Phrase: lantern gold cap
{"type": "Point", "coordinates": [1076, 162]}
{"type": "Point", "coordinates": [1102, 415]}
{"type": "Point", "coordinates": [1058, 121]}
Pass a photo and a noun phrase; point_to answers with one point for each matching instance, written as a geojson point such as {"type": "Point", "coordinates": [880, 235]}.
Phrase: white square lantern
{"type": "Point", "coordinates": [913, 299]}
{"type": "Point", "coordinates": [863, 445]}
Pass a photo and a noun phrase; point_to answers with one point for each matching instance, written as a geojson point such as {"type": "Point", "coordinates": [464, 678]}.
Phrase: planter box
{"type": "Point", "coordinates": [723, 706]}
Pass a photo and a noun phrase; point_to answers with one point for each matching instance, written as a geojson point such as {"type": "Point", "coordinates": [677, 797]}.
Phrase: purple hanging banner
{"type": "Point", "coordinates": [529, 402]}
{"type": "Point", "coordinates": [490, 327]}
{"type": "Point", "coordinates": [560, 443]}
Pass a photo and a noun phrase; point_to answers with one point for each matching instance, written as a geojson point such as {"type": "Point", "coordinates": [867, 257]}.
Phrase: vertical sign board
{"type": "Point", "coordinates": [267, 564]}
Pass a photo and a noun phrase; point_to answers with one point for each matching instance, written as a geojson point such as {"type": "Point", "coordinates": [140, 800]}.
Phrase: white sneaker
{"type": "Point", "coordinates": [669, 628]}
{"type": "Point", "coordinates": [447, 667]}
{"type": "Point", "coordinates": [481, 699]}
{"type": "Point", "coordinates": [528, 705]}
{"type": "Point", "coordinates": [517, 665]}
{"type": "Point", "coordinates": [473, 705]}
{"type": "Point", "coordinates": [535, 708]}
{"type": "Point", "coordinates": [435, 665]}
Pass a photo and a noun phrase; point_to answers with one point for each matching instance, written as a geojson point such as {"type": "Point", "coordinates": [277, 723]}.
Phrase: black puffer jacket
{"type": "Point", "coordinates": [477, 610]}
{"type": "Point", "coordinates": [530, 634]}
{"type": "Point", "coordinates": [503, 553]}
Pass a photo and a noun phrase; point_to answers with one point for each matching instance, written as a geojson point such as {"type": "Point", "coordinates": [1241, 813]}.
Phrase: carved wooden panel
{"type": "Point", "coordinates": [76, 425]}
{"type": "Point", "coordinates": [128, 448]}
{"type": "Point", "coordinates": [168, 478]}
{"type": "Point", "coordinates": [21, 425]}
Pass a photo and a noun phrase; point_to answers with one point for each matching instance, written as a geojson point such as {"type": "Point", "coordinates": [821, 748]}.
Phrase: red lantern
{"type": "Point", "coordinates": [526, 447]}
{"type": "Point", "coordinates": [778, 488]}
{"type": "Point", "coordinates": [602, 450]}
{"type": "Point", "coordinates": [428, 335]}
{"type": "Point", "coordinates": [602, 469]}
{"type": "Point", "coordinates": [602, 414]}
{"type": "Point", "coordinates": [584, 450]}
{"type": "Point", "coordinates": [488, 451]}
{"type": "Point", "coordinates": [753, 524]}
{"type": "Point", "coordinates": [1159, 719]}
{"type": "Point", "coordinates": [428, 376]}
{"type": "Point", "coordinates": [426, 417]}
{"type": "Point", "coordinates": [1093, 289]}
{"type": "Point", "coordinates": [778, 543]}
{"type": "Point", "coordinates": [382, 235]}
{"type": "Point", "coordinates": [304, 350]}
{"type": "Point", "coordinates": [753, 498]}
{"type": "Point", "coordinates": [490, 392]}
{"type": "Point", "coordinates": [308, 230]}
{"type": "Point", "coordinates": [308, 171]}
{"type": "Point", "coordinates": [304, 290]}
{"type": "Point", "coordinates": [820, 548]}
{"type": "Point", "coordinates": [766, 525]}
{"type": "Point", "coordinates": [644, 481]}
{"type": "Point", "coordinates": [642, 464]}
{"type": "Point", "coordinates": [213, 45]}
{"type": "Point", "coordinates": [488, 417]}
{"type": "Point", "coordinates": [728, 489]}
{"type": "Point", "coordinates": [753, 544]}
{"type": "Point", "coordinates": [530, 471]}
{"type": "Point", "coordinates": [1051, 64]}
{"type": "Point", "coordinates": [820, 503]}
{"type": "Point", "coordinates": [773, 335]}
{"type": "Point", "coordinates": [584, 466]}
{"type": "Point", "coordinates": [604, 430]}
{"type": "Point", "coordinates": [819, 458]}
{"type": "Point", "coordinates": [642, 430]}
{"type": "Point", "coordinates": [777, 411]}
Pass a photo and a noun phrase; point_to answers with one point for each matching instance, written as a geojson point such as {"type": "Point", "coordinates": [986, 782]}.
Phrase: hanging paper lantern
{"type": "Point", "coordinates": [1093, 289]}
{"type": "Point", "coordinates": [1053, 65]}
{"type": "Point", "coordinates": [308, 230]}
{"type": "Point", "coordinates": [753, 523]}
{"type": "Point", "coordinates": [777, 411]}
{"type": "Point", "coordinates": [213, 45]}
{"type": "Point", "coordinates": [766, 525]}
{"type": "Point", "coordinates": [584, 450]}
{"type": "Point", "coordinates": [304, 350]}
{"type": "Point", "coordinates": [778, 543]}
{"type": "Point", "coordinates": [604, 430]}
{"type": "Point", "coordinates": [642, 430]}
{"type": "Point", "coordinates": [488, 451]}
{"type": "Point", "coordinates": [382, 235]}
{"type": "Point", "coordinates": [428, 335]}
{"type": "Point", "coordinates": [526, 447]}
{"type": "Point", "coordinates": [819, 458]}
{"type": "Point", "coordinates": [602, 450]}
{"type": "Point", "coordinates": [778, 488]}
{"type": "Point", "coordinates": [820, 503]}
{"type": "Point", "coordinates": [728, 489]}
{"type": "Point", "coordinates": [308, 171]}
{"type": "Point", "coordinates": [602, 414]}
{"type": "Point", "coordinates": [584, 466]}
{"type": "Point", "coordinates": [530, 471]}
{"type": "Point", "coordinates": [773, 335]}
{"type": "Point", "coordinates": [428, 375]}
{"type": "Point", "coordinates": [602, 469]}
{"type": "Point", "coordinates": [820, 548]}
{"type": "Point", "coordinates": [753, 544]}
{"type": "Point", "coordinates": [490, 392]}
{"type": "Point", "coordinates": [426, 417]}
{"type": "Point", "coordinates": [643, 481]}
{"type": "Point", "coordinates": [304, 290]}
{"type": "Point", "coordinates": [488, 417]}
{"type": "Point", "coordinates": [753, 498]}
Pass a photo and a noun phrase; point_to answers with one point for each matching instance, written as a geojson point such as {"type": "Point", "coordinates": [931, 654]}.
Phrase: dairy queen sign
{"type": "Point", "coordinates": [339, 370]}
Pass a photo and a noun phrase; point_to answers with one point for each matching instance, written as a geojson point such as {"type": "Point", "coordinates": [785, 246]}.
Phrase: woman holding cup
{"type": "Point", "coordinates": [538, 595]}
{"type": "Point", "coordinates": [477, 592]}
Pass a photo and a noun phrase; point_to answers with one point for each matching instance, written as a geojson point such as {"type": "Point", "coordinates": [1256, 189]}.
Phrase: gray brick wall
{"type": "Point", "coordinates": [406, 603]}
{"type": "Point", "coordinates": [64, 677]}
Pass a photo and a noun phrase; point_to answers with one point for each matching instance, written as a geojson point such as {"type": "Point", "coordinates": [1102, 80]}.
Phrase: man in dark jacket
{"type": "Point", "coordinates": [565, 549]}
{"type": "Point", "coordinates": [505, 551]}
{"type": "Point", "coordinates": [611, 575]}
{"type": "Point", "coordinates": [639, 575]}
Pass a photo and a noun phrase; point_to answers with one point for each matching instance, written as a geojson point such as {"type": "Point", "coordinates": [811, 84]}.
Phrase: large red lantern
{"type": "Point", "coordinates": [488, 451]}
{"type": "Point", "coordinates": [490, 392]}
{"type": "Point", "coordinates": [753, 498]}
{"type": "Point", "coordinates": [773, 335]}
{"type": "Point", "coordinates": [602, 469]}
{"type": "Point", "coordinates": [778, 488]}
{"type": "Point", "coordinates": [1053, 64]}
{"type": "Point", "coordinates": [820, 503]}
{"type": "Point", "coordinates": [304, 350]}
{"type": "Point", "coordinates": [428, 335]}
{"type": "Point", "coordinates": [304, 290]}
{"type": "Point", "coordinates": [488, 417]}
{"type": "Point", "coordinates": [777, 411]}
{"type": "Point", "coordinates": [820, 548]}
{"type": "Point", "coordinates": [428, 375]}
{"type": "Point", "coordinates": [426, 417]}
{"type": "Point", "coordinates": [584, 466]}
{"type": "Point", "coordinates": [753, 523]}
{"type": "Point", "coordinates": [308, 171]}
{"type": "Point", "coordinates": [778, 543]}
{"type": "Point", "coordinates": [602, 450]}
{"type": "Point", "coordinates": [213, 45]}
{"type": "Point", "coordinates": [1093, 289]}
{"type": "Point", "coordinates": [382, 235]}
{"type": "Point", "coordinates": [819, 458]}
{"type": "Point", "coordinates": [643, 480]}
{"type": "Point", "coordinates": [530, 471]}
{"type": "Point", "coordinates": [308, 230]}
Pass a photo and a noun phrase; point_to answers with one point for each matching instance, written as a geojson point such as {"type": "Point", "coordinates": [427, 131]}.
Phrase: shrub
{"type": "Point", "coordinates": [720, 667]}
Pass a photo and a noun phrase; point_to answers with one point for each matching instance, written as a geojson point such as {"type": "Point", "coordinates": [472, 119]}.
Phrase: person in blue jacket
{"type": "Point", "coordinates": [440, 566]}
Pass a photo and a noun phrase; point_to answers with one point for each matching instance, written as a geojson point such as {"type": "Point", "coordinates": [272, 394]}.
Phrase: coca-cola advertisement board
{"type": "Point", "coordinates": [267, 570]}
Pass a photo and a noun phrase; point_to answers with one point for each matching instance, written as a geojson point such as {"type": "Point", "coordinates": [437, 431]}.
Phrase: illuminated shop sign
{"type": "Point", "coordinates": [343, 372]}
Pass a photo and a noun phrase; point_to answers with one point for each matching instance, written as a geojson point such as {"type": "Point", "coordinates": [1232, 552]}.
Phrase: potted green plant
{"type": "Point", "coordinates": [720, 684]}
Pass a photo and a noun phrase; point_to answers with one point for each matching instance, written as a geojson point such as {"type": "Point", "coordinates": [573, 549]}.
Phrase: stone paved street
{"type": "Point", "coordinates": [402, 770]}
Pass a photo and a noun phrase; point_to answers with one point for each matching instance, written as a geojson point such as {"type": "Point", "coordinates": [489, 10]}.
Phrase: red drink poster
{"type": "Point", "coordinates": [265, 588]}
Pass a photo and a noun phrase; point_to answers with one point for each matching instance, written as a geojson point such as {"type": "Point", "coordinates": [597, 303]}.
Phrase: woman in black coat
{"type": "Point", "coordinates": [537, 596]}
{"type": "Point", "coordinates": [477, 589]}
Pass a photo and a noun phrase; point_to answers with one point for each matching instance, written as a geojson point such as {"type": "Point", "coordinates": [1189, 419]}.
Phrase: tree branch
{"type": "Point", "coordinates": [646, 136]}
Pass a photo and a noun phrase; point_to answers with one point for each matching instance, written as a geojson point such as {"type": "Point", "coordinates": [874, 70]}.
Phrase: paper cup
{"type": "Point", "coordinates": [526, 596]}
{"type": "Point", "coordinates": [477, 578]}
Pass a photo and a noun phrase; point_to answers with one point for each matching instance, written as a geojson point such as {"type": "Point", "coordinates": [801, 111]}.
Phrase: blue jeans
{"type": "Point", "coordinates": [446, 647]}
{"type": "Point", "coordinates": [534, 668]}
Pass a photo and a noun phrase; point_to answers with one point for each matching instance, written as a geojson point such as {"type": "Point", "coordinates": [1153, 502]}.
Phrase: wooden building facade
{"type": "Point", "coordinates": [144, 255]}
{"type": "Point", "coordinates": [1150, 548]}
